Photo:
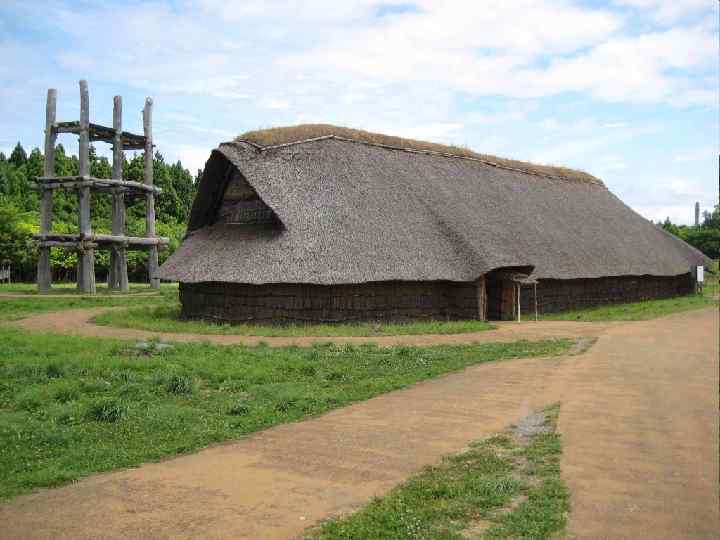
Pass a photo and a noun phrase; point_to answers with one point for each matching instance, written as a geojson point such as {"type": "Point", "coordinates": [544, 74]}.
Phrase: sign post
{"type": "Point", "coordinates": [699, 278]}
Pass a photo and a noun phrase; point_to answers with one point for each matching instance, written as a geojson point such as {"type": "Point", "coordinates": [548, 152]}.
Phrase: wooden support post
{"type": "Point", "coordinates": [117, 268]}
{"type": "Point", "coordinates": [481, 299]}
{"type": "Point", "coordinates": [44, 270]}
{"type": "Point", "coordinates": [86, 257]}
{"type": "Point", "coordinates": [150, 196]}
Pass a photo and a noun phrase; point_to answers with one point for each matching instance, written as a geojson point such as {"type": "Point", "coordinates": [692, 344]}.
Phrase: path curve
{"type": "Point", "coordinates": [77, 322]}
{"type": "Point", "coordinates": [639, 421]}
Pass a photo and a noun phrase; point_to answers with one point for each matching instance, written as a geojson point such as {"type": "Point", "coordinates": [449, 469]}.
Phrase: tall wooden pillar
{"type": "Point", "coordinates": [481, 299]}
{"type": "Point", "coordinates": [117, 268]}
{"type": "Point", "coordinates": [44, 271]}
{"type": "Point", "coordinates": [150, 197]}
{"type": "Point", "coordinates": [86, 255]}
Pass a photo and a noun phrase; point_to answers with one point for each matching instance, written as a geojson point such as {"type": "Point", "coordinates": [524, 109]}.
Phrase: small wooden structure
{"type": "Point", "coordinates": [86, 241]}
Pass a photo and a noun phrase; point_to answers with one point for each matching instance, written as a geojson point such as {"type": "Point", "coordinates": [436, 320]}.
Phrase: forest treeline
{"type": "Point", "coordinates": [19, 210]}
{"type": "Point", "coordinates": [705, 236]}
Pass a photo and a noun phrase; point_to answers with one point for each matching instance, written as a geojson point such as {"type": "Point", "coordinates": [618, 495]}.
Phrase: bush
{"type": "Point", "coordinates": [108, 410]}
{"type": "Point", "coordinates": [65, 393]}
{"type": "Point", "coordinates": [53, 371]}
{"type": "Point", "coordinates": [179, 384]}
{"type": "Point", "coordinates": [241, 408]}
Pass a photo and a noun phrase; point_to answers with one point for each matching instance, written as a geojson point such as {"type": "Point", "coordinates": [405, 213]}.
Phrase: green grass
{"type": "Point", "coordinates": [17, 308]}
{"type": "Point", "coordinates": [67, 288]}
{"type": "Point", "coordinates": [73, 406]}
{"type": "Point", "coordinates": [639, 311]}
{"type": "Point", "coordinates": [507, 486]}
{"type": "Point", "coordinates": [166, 318]}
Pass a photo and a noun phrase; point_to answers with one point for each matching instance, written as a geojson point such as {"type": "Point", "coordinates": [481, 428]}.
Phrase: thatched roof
{"type": "Point", "coordinates": [279, 136]}
{"type": "Point", "coordinates": [355, 212]}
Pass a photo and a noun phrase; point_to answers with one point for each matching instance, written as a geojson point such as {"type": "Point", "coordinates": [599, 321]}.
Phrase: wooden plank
{"type": "Point", "coordinates": [150, 196]}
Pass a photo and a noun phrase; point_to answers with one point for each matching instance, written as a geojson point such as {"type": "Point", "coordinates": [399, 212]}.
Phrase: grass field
{"type": "Point", "coordinates": [70, 288]}
{"type": "Point", "coordinates": [167, 319]}
{"type": "Point", "coordinates": [640, 311]}
{"type": "Point", "coordinates": [72, 406]}
{"type": "Point", "coordinates": [507, 486]}
{"type": "Point", "coordinates": [19, 307]}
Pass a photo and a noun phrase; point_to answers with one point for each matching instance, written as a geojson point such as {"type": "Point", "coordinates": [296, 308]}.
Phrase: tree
{"type": "Point", "coordinates": [19, 208]}
{"type": "Point", "coordinates": [18, 157]}
{"type": "Point", "coordinates": [705, 237]}
{"type": "Point", "coordinates": [670, 227]}
{"type": "Point", "coordinates": [16, 230]}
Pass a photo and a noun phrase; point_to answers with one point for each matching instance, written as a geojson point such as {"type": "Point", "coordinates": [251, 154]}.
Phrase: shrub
{"type": "Point", "coordinates": [53, 371]}
{"type": "Point", "coordinates": [65, 393]}
{"type": "Point", "coordinates": [107, 410]}
{"type": "Point", "coordinates": [241, 408]}
{"type": "Point", "coordinates": [179, 384]}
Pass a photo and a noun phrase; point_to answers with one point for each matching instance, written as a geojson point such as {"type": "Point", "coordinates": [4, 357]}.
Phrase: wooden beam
{"type": "Point", "coordinates": [150, 196]}
{"type": "Point", "coordinates": [130, 141]}
{"type": "Point", "coordinates": [73, 182]}
{"type": "Point", "coordinates": [44, 270]}
{"type": "Point", "coordinates": [67, 245]}
{"type": "Point", "coordinates": [104, 239]}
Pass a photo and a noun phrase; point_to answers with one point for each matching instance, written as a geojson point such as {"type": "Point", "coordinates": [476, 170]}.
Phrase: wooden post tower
{"type": "Point", "coordinates": [85, 241]}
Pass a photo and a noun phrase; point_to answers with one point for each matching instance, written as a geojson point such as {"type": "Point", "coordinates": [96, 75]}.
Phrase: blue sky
{"type": "Point", "coordinates": [625, 89]}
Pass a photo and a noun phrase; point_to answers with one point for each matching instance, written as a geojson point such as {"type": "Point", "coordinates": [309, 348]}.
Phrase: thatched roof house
{"type": "Point", "coordinates": [325, 223]}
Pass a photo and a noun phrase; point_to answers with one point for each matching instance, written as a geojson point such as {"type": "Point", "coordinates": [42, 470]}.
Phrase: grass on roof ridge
{"type": "Point", "coordinates": [289, 134]}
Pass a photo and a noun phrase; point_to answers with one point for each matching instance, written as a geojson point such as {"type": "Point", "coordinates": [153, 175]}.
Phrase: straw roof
{"type": "Point", "coordinates": [355, 212]}
{"type": "Point", "coordinates": [279, 136]}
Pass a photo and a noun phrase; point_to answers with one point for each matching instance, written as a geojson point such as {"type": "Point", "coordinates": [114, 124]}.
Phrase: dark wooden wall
{"type": "Point", "coordinates": [562, 295]}
{"type": "Point", "coordinates": [406, 301]}
{"type": "Point", "coordinates": [299, 303]}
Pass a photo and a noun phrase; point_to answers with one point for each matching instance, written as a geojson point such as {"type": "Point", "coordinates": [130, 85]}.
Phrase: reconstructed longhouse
{"type": "Point", "coordinates": [319, 223]}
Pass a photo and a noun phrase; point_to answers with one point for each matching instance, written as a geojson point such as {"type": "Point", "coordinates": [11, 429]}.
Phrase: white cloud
{"type": "Point", "coordinates": [678, 213]}
{"type": "Point", "coordinates": [275, 103]}
{"type": "Point", "coordinates": [436, 131]}
{"type": "Point", "coordinates": [636, 69]}
{"type": "Point", "coordinates": [668, 11]}
{"type": "Point", "coordinates": [699, 154]}
{"type": "Point", "coordinates": [192, 157]}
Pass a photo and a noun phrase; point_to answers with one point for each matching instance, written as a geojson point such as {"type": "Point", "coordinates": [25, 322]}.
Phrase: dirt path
{"type": "Point", "coordinates": [77, 322]}
{"type": "Point", "coordinates": [640, 428]}
{"type": "Point", "coordinates": [639, 420]}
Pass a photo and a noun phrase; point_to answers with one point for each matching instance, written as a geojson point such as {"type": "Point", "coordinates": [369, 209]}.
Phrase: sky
{"type": "Point", "coordinates": [624, 89]}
